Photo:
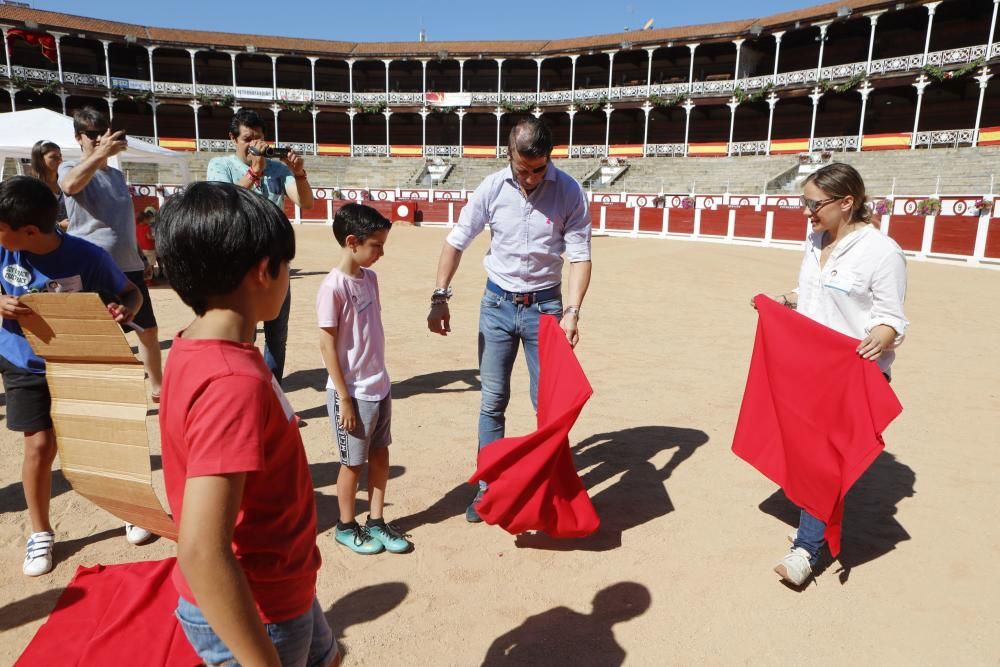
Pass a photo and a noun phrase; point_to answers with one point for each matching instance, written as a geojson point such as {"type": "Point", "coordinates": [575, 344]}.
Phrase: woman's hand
{"type": "Point", "coordinates": [876, 342]}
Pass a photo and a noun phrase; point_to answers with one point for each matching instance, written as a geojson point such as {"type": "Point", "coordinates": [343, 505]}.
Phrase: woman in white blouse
{"type": "Point", "coordinates": [853, 280]}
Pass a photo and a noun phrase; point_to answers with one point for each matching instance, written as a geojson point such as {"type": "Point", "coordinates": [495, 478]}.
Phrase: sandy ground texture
{"type": "Point", "coordinates": [681, 570]}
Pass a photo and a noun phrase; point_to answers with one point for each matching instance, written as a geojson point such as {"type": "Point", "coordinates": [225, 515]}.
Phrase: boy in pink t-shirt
{"type": "Point", "coordinates": [235, 469]}
{"type": "Point", "coordinates": [353, 346]}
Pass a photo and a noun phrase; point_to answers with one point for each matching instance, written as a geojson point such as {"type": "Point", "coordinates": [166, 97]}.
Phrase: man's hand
{"type": "Point", "coordinates": [120, 313]}
{"type": "Point", "coordinates": [109, 145]}
{"type": "Point", "coordinates": [876, 342]}
{"type": "Point", "coordinates": [295, 162]}
{"type": "Point", "coordinates": [570, 326]}
{"type": "Point", "coordinates": [11, 308]}
{"type": "Point", "coordinates": [346, 416]}
{"type": "Point", "coordinates": [258, 162]}
{"type": "Point", "coordinates": [439, 319]}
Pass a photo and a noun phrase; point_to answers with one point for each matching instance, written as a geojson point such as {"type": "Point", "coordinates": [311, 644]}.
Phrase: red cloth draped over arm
{"type": "Point", "coordinates": [813, 412]}
{"type": "Point", "coordinates": [533, 484]}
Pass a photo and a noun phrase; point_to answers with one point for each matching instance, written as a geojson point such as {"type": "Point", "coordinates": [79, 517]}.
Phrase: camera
{"type": "Point", "coordinates": [271, 151]}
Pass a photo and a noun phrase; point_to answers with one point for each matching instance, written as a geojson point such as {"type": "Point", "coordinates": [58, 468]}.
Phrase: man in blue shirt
{"type": "Point", "coordinates": [536, 214]}
{"type": "Point", "coordinates": [275, 180]}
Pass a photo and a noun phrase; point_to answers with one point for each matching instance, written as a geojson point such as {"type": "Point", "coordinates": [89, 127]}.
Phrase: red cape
{"type": "Point", "coordinates": [533, 484]}
{"type": "Point", "coordinates": [115, 615]}
{"type": "Point", "coordinates": [813, 412]}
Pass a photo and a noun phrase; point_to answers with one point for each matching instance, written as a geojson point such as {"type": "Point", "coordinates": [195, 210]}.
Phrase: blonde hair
{"type": "Point", "coordinates": [843, 180]}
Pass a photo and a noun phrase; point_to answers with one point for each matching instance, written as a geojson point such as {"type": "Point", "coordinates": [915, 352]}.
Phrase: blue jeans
{"type": "Point", "coordinates": [303, 641]}
{"type": "Point", "coordinates": [810, 536]}
{"type": "Point", "coordinates": [502, 326]}
{"type": "Point", "coordinates": [275, 339]}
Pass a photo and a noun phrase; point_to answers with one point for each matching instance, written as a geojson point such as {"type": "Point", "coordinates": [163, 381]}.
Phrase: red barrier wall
{"type": "Point", "coordinates": [907, 231]}
{"type": "Point", "coordinates": [750, 223]}
{"type": "Point", "coordinates": [788, 225]}
{"type": "Point", "coordinates": [651, 220]}
{"type": "Point", "coordinates": [715, 221]}
{"type": "Point", "coordinates": [954, 234]}
{"type": "Point", "coordinates": [432, 211]}
{"type": "Point", "coordinates": [993, 239]}
{"type": "Point", "coordinates": [681, 221]}
{"type": "Point", "coordinates": [618, 217]}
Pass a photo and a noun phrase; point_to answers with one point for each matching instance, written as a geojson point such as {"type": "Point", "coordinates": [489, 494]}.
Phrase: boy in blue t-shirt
{"type": "Point", "coordinates": [37, 257]}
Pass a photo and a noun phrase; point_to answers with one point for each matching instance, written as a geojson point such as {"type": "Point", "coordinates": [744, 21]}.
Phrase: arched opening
{"type": "Point", "coordinates": [627, 127]}
{"type": "Point", "coordinates": [557, 73]}
{"type": "Point", "coordinates": [671, 64]}
{"type": "Point", "coordinates": [709, 124]}
{"type": "Point", "coordinates": [442, 127]}
{"type": "Point", "coordinates": [129, 61]}
{"type": "Point", "coordinates": [333, 127]}
{"type": "Point", "coordinates": [332, 75]}
{"type": "Point", "coordinates": [792, 118]}
{"type": "Point", "coordinates": [369, 129]}
{"type": "Point", "coordinates": [715, 61]}
{"type": "Point", "coordinates": [135, 117]}
{"type": "Point", "coordinates": [799, 50]}
{"type": "Point", "coordinates": [253, 71]}
{"type": "Point", "coordinates": [630, 69]}
{"type": "Point", "coordinates": [213, 124]}
{"type": "Point", "coordinates": [589, 127]}
{"type": "Point", "coordinates": [751, 122]}
{"type": "Point", "coordinates": [900, 33]}
{"type": "Point", "coordinates": [442, 76]}
{"type": "Point", "coordinates": [666, 125]}
{"type": "Point", "coordinates": [847, 41]}
{"type": "Point", "coordinates": [294, 73]}
{"type": "Point", "coordinates": [558, 122]}
{"type": "Point", "coordinates": [405, 129]}
{"type": "Point", "coordinates": [479, 129]}
{"type": "Point", "coordinates": [519, 76]}
{"type": "Point", "coordinates": [295, 127]}
{"type": "Point", "coordinates": [74, 102]}
{"type": "Point", "coordinates": [507, 123]}
{"type": "Point", "coordinates": [891, 109]}
{"type": "Point", "coordinates": [36, 99]}
{"type": "Point", "coordinates": [176, 121]}
{"type": "Point", "coordinates": [369, 77]}
{"type": "Point", "coordinates": [81, 56]}
{"type": "Point", "coordinates": [838, 114]}
{"type": "Point", "coordinates": [406, 76]}
{"type": "Point", "coordinates": [213, 69]}
{"type": "Point", "coordinates": [173, 65]}
{"type": "Point", "coordinates": [592, 71]}
{"type": "Point", "coordinates": [959, 23]}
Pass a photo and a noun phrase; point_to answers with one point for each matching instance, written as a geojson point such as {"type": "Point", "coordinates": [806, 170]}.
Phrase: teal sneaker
{"type": "Point", "coordinates": [390, 537]}
{"type": "Point", "coordinates": [358, 540]}
{"type": "Point", "coordinates": [471, 513]}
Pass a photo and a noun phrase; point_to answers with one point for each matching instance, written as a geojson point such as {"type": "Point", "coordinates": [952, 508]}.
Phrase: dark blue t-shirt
{"type": "Point", "coordinates": [75, 266]}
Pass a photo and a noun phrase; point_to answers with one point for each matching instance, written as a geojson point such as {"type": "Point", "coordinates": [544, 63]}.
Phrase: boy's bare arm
{"type": "Point", "coordinates": [79, 176]}
{"type": "Point", "coordinates": [328, 348]}
{"type": "Point", "coordinates": [205, 556]}
{"type": "Point", "coordinates": [131, 299]}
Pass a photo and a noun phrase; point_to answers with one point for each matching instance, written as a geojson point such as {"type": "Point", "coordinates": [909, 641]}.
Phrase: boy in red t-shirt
{"type": "Point", "coordinates": [236, 473]}
{"type": "Point", "coordinates": [147, 245]}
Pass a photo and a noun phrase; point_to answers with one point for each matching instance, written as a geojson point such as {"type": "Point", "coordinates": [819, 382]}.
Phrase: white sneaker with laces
{"type": "Point", "coordinates": [38, 554]}
{"type": "Point", "coordinates": [137, 534]}
{"type": "Point", "coordinates": [792, 536]}
{"type": "Point", "coordinates": [795, 567]}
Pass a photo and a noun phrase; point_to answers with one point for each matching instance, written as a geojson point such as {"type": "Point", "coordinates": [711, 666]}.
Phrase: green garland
{"type": "Point", "coordinates": [741, 95]}
{"type": "Point", "coordinates": [593, 106]}
{"type": "Point", "coordinates": [442, 109]}
{"type": "Point", "coordinates": [667, 102]}
{"type": "Point", "coordinates": [828, 86]}
{"type": "Point", "coordinates": [941, 74]}
{"type": "Point", "coordinates": [378, 107]}
{"type": "Point", "coordinates": [304, 107]}
{"type": "Point", "coordinates": [206, 101]}
{"type": "Point", "coordinates": [22, 84]}
{"type": "Point", "coordinates": [140, 98]}
{"type": "Point", "coordinates": [514, 107]}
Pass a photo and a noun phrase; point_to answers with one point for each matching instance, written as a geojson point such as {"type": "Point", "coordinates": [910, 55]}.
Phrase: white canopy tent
{"type": "Point", "coordinates": [19, 130]}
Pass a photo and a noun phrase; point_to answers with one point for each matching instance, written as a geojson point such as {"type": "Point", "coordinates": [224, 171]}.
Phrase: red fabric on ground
{"type": "Point", "coordinates": [813, 412]}
{"type": "Point", "coordinates": [533, 484]}
{"type": "Point", "coordinates": [115, 615]}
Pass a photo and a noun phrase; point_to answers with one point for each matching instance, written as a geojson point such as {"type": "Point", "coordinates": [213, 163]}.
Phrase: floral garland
{"type": "Point", "coordinates": [883, 206]}
{"type": "Point", "coordinates": [929, 206]}
{"type": "Point", "coordinates": [984, 205]}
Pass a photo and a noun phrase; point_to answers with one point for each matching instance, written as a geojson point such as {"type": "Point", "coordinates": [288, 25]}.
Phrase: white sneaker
{"type": "Point", "coordinates": [137, 534]}
{"type": "Point", "coordinates": [38, 554]}
{"type": "Point", "coordinates": [795, 567]}
{"type": "Point", "coordinates": [792, 536]}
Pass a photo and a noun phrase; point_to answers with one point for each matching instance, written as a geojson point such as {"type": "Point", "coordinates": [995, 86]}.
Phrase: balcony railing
{"type": "Point", "coordinates": [804, 77]}
{"type": "Point", "coordinates": [370, 150]}
{"type": "Point", "coordinates": [951, 138]}
{"type": "Point", "coordinates": [834, 144]}
{"type": "Point", "coordinates": [442, 151]}
{"type": "Point", "coordinates": [588, 151]}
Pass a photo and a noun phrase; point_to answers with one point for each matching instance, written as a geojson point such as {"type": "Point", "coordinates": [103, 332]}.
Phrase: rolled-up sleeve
{"type": "Point", "coordinates": [888, 294]}
{"type": "Point", "coordinates": [578, 227]}
{"type": "Point", "coordinates": [472, 219]}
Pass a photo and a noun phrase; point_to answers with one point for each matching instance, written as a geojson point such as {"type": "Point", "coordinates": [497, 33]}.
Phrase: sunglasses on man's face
{"type": "Point", "coordinates": [815, 205]}
{"type": "Point", "coordinates": [93, 135]}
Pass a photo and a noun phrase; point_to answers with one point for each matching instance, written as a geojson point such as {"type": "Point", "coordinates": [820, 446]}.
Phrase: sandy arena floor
{"type": "Point", "coordinates": [681, 570]}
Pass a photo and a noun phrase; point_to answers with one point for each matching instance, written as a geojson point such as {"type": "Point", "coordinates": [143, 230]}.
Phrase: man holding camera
{"type": "Point", "coordinates": [274, 179]}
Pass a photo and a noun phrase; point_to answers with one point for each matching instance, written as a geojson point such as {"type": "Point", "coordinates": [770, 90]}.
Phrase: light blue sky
{"type": "Point", "coordinates": [396, 20]}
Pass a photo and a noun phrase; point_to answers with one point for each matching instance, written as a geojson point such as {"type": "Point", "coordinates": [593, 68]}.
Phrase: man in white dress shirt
{"type": "Point", "coordinates": [536, 213]}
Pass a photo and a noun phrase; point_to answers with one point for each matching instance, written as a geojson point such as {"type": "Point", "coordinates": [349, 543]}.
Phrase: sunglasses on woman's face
{"type": "Point", "coordinates": [815, 205]}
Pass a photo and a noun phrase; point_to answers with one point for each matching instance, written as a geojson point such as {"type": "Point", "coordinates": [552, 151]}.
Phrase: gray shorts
{"type": "Point", "coordinates": [372, 431]}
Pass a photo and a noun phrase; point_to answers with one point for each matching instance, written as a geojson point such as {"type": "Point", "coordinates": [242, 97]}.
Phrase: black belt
{"type": "Point", "coordinates": [525, 298]}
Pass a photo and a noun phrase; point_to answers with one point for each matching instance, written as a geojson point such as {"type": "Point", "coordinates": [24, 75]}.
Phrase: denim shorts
{"type": "Point", "coordinates": [303, 641]}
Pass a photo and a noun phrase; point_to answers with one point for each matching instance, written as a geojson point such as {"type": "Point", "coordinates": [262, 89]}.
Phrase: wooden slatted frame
{"type": "Point", "coordinates": [98, 406]}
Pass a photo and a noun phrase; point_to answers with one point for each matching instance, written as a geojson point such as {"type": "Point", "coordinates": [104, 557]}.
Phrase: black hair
{"type": "Point", "coordinates": [212, 233]}
{"type": "Point", "coordinates": [245, 118]}
{"type": "Point", "coordinates": [85, 118]}
{"type": "Point", "coordinates": [530, 138]}
{"type": "Point", "coordinates": [24, 201]}
{"type": "Point", "coordinates": [357, 219]}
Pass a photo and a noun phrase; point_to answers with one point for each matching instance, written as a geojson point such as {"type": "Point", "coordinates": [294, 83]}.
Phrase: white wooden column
{"type": "Point", "coordinates": [931, 9]}
{"type": "Point", "coordinates": [572, 80]}
{"type": "Point", "coordinates": [274, 75]}
{"type": "Point", "coordinates": [572, 112]}
{"type": "Point", "coordinates": [461, 117]}
{"type": "Point", "coordinates": [815, 96]}
{"type": "Point", "coordinates": [993, 27]}
{"type": "Point", "coordinates": [864, 90]}
{"type": "Point", "coordinates": [611, 70]}
{"type": "Point", "coordinates": [350, 86]}
{"type": "Point", "coordinates": [873, 19]}
{"type": "Point", "coordinates": [772, 101]}
{"type": "Point", "coordinates": [608, 110]}
{"type": "Point", "coordinates": [195, 105]}
{"type": "Point", "coordinates": [732, 104]}
{"type": "Point", "coordinates": [423, 130]}
{"type": "Point", "coordinates": [538, 81]}
{"type": "Point", "coordinates": [983, 79]}
{"type": "Point", "coordinates": [107, 62]}
{"type": "Point", "coordinates": [232, 56]}
{"type": "Point", "coordinates": [498, 112]}
{"type": "Point", "coordinates": [388, 144]}
{"type": "Point", "coordinates": [351, 113]}
{"type": "Point", "coordinates": [315, 112]}
{"type": "Point", "coordinates": [387, 62]}
{"type": "Point", "coordinates": [275, 109]}
{"type": "Point", "coordinates": [688, 106]}
{"type": "Point", "coordinates": [58, 37]}
{"type": "Point", "coordinates": [920, 84]}
{"type": "Point", "coordinates": [647, 108]}
{"type": "Point", "coordinates": [423, 81]}
{"type": "Point", "coordinates": [692, 47]}
{"type": "Point", "coordinates": [499, 73]}
{"type": "Point", "coordinates": [822, 43]}
{"type": "Point", "coordinates": [194, 81]}
{"type": "Point", "coordinates": [777, 52]}
{"type": "Point", "coordinates": [739, 49]}
{"type": "Point", "coordinates": [461, 75]}
{"type": "Point", "coordinates": [649, 73]}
